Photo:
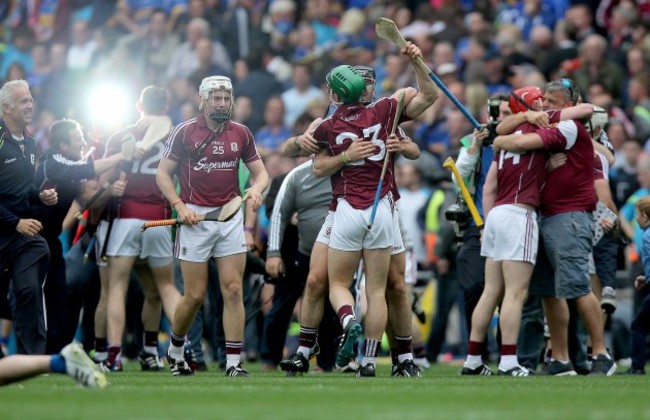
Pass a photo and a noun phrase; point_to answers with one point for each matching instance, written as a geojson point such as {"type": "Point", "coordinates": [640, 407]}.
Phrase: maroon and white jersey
{"type": "Point", "coordinates": [357, 181]}
{"type": "Point", "coordinates": [520, 177]}
{"type": "Point", "coordinates": [209, 177]}
{"type": "Point", "coordinates": [142, 198]}
{"type": "Point", "coordinates": [571, 186]}
{"type": "Point", "coordinates": [601, 167]}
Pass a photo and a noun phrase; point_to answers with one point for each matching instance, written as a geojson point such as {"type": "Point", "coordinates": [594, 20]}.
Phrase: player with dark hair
{"type": "Point", "coordinates": [205, 152]}
{"type": "Point", "coordinates": [66, 167]}
{"type": "Point", "coordinates": [149, 252]}
{"type": "Point", "coordinates": [312, 302]}
{"type": "Point", "coordinates": [353, 190]}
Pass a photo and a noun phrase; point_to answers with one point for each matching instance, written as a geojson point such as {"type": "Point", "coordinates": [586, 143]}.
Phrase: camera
{"type": "Point", "coordinates": [494, 111]}
{"type": "Point", "coordinates": [459, 214]}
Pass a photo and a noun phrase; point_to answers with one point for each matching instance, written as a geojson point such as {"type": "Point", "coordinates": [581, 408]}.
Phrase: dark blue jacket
{"type": "Point", "coordinates": [17, 190]}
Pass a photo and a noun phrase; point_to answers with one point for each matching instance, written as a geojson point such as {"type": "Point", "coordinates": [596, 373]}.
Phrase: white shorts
{"type": "Point", "coordinates": [510, 234]}
{"type": "Point", "coordinates": [326, 231]}
{"type": "Point", "coordinates": [350, 229]}
{"type": "Point", "coordinates": [200, 242]}
{"type": "Point", "coordinates": [102, 227]}
{"type": "Point", "coordinates": [128, 240]}
{"type": "Point", "coordinates": [411, 268]}
{"type": "Point", "coordinates": [398, 244]}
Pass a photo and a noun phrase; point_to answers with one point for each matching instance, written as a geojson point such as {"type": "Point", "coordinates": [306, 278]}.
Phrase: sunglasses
{"type": "Point", "coordinates": [571, 87]}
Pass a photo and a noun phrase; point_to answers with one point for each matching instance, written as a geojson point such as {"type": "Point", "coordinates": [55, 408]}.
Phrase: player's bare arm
{"type": "Point", "coordinates": [304, 144]}
{"type": "Point", "coordinates": [518, 143]}
{"type": "Point", "coordinates": [405, 146]}
{"type": "Point", "coordinates": [490, 189]}
{"type": "Point", "coordinates": [106, 164]}
{"type": "Point", "coordinates": [428, 92]}
{"type": "Point", "coordinates": [511, 122]}
{"type": "Point", "coordinates": [260, 184]}
{"type": "Point", "coordinates": [327, 165]}
{"type": "Point", "coordinates": [165, 182]}
{"type": "Point", "coordinates": [578, 112]}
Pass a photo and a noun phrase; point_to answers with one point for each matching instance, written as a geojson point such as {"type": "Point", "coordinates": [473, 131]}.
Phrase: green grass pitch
{"type": "Point", "coordinates": [441, 393]}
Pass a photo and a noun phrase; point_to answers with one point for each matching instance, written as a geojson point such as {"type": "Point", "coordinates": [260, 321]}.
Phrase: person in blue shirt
{"type": "Point", "coordinates": [641, 321]}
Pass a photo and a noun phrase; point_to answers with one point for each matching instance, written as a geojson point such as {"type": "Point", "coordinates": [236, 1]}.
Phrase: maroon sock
{"type": "Point", "coordinates": [508, 349]}
{"type": "Point", "coordinates": [404, 344]}
{"type": "Point", "coordinates": [151, 338]}
{"type": "Point", "coordinates": [474, 348]}
{"type": "Point", "coordinates": [307, 337]}
{"type": "Point", "coordinates": [113, 353]}
{"type": "Point", "coordinates": [177, 340]}
{"type": "Point", "coordinates": [344, 311]}
{"type": "Point", "coordinates": [101, 344]}
{"type": "Point", "coordinates": [233, 347]}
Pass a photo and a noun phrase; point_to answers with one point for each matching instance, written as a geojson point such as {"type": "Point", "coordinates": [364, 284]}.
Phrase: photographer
{"type": "Point", "coordinates": [476, 155]}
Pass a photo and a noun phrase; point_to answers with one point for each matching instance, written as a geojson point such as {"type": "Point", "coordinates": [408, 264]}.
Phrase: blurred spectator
{"type": "Point", "coordinates": [639, 94]}
{"type": "Point", "coordinates": [319, 16]}
{"type": "Point", "coordinates": [298, 97]}
{"type": "Point", "coordinates": [304, 43]}
{"type": "Point", "coordinates": [279, 24]}
{"type": "Point", "coordinates": [414, 196]}
{"type": "Point", "coordinates": [57, 88]}
{"type": "Point", "coordinates": [623, 175]}
{"type": "Point", "coordinates": [579, 22]}
{"type": "Point", "coordinates": [243, 111]}
{"type": "Point", "coordinates": [186, 60]}
{"type": "Point", "coordinates": [259, 85]}
{"type": "Point", "coordinates": [210, 10]}
{"type": "Point", "coordinates": [476, 26]}
{"type": "Point", "coordinates": [41, 68]}
{"type": "Point", "coordinates": [274, 132]}
{"type": "Point", "coordinates": [18, 51]}
{"type": "Point", "coordinates": [81, 48]}
{"type": "Point", "coordinates": [207, 66]}
{"type": "Point", "coordinates": [152, 48]}
{"type": "Point", "coordinates": [132, 16]}
{"type": "Point", "coordinates": [594, 66]}
{"type": "Point", "coordinates": [240, 31]}
{"type": "Point", "coordinates": [526, 14]}
{"type": "Point", "coordinates": [16, 72]}
{"type": "Point", "coordinates": [443, 53]}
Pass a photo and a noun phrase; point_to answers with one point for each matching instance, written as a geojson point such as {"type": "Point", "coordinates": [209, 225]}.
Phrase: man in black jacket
{"type": "Point", "coordinates": [65, 168]}
{"type": "Point", "coordinates": [24, 254]}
